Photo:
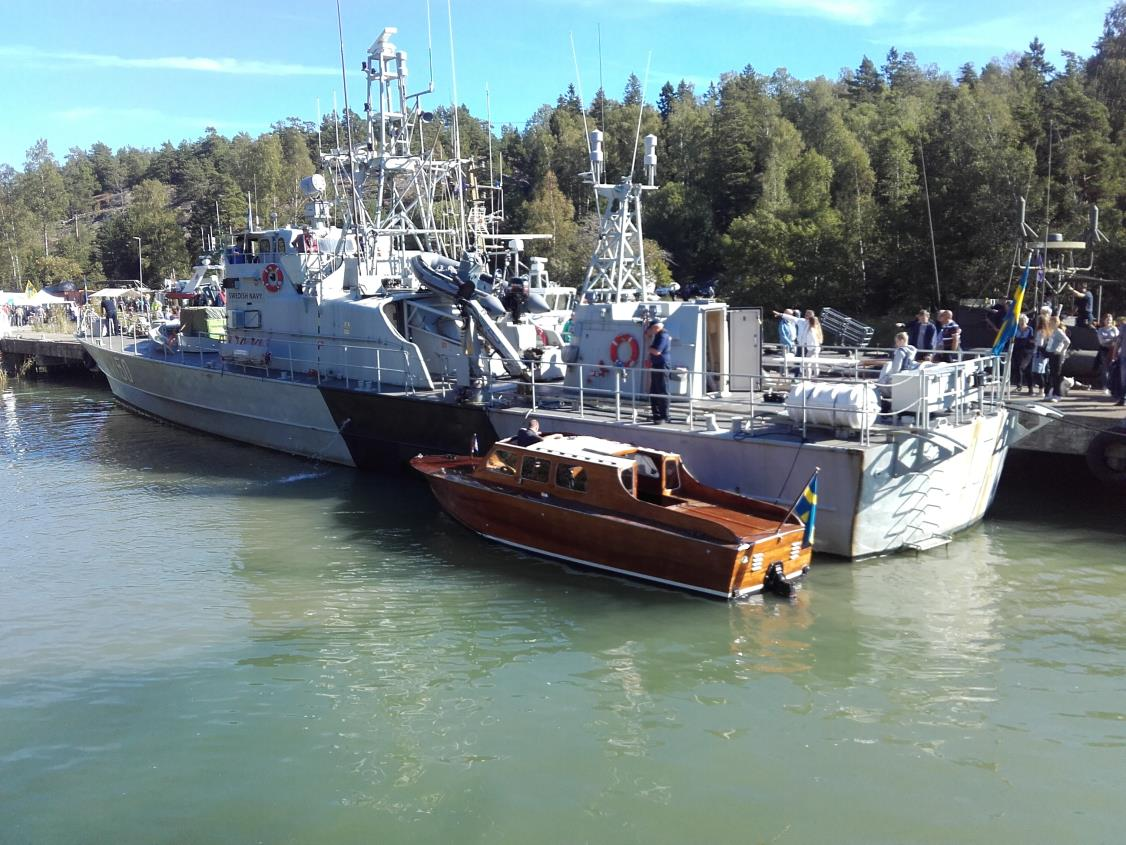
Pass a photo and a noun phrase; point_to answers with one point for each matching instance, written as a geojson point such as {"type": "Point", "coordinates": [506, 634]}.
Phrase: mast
{"type": "Point", "coordinates": [617, 268]}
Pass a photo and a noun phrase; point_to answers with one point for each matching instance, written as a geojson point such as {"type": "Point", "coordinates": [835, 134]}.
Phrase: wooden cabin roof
{"type": "Point", "coordinates": [593, 450]}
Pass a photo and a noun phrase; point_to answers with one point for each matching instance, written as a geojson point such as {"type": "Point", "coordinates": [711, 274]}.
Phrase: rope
{"type": "Point", "coordinates": [1058, 417]}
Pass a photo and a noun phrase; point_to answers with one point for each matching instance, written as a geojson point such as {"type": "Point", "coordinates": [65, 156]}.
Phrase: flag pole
{"type": "Point", "coordinates": [797, 501]}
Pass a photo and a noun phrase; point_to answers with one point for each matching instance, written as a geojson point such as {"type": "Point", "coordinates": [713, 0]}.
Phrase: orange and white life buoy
{"type": "Point", "coordinates": [272, 278]}
{"type": "Point", "coordinates": [634, 350]}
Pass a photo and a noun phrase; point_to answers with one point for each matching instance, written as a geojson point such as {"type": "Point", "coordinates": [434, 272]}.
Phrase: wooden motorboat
{"type": "Point", "coordinates": [622, 509]}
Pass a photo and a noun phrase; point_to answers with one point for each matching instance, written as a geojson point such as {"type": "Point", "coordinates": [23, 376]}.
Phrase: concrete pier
{"type": "Point", "coordinates": [1084, 414]}
{"type": "Point", "coordinates": [46, 350]}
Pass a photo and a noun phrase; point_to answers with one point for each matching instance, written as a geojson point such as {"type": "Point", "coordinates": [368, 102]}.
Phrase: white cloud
{"type": "Point", "coordinates": [997, 33]}
{"type": "Point", "coordinates": [856, 12]}
{"type": "Point", "coordinates": [1078, 24]}
{"type": "Point", "coordinates": [240, 67]}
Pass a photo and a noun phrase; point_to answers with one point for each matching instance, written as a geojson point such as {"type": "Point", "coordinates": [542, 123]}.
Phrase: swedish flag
{"type": "Point", "coordinates": [805, 508]}
{"type": "Point", "coordinates": [1009, 326]}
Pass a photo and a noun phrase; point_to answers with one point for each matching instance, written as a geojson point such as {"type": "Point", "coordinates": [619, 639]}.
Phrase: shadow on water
{"type": "Point", "coordinates": [1057, 492]}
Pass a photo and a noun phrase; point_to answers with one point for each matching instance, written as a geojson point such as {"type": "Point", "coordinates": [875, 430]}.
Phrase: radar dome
{"type": "Point", "coordinates": [313, 186]}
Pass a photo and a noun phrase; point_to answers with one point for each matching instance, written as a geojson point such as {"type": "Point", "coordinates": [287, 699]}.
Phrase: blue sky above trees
{"type": "Point", "coordinates": [137, 72]}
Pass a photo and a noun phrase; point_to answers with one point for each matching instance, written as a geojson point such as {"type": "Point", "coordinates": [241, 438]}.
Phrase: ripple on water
{"type": "Point", "coordinates": [304, 653]}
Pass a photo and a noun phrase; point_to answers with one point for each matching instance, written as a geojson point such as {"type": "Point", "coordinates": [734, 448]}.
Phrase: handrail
{"type": "Point", "coordinates": [968, 385]}
{"type": "Point", "coordinates": [956, 390]}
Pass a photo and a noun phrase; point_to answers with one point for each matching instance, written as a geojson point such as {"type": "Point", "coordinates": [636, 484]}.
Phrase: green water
{"type": "Point", "coordinates": [205, 642]}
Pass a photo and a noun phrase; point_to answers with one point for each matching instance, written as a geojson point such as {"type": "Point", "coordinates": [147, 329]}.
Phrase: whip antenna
{"type": "Point", "coordinates": [640, 112]}
{"type": "Point", "coordinates": [348, 121]}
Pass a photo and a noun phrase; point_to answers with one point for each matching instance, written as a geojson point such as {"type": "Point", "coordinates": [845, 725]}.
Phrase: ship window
{"type": "Point", "coordinates": [535, 469]}
{"type": "Point", "coordinates": [627, 479]}
{"type": "Point", "coordinates": [281, 245]}
{"type": "Point", "coordinates": [571, 477]}
{"type": "Point", "coordinates": [263, 246]}
{"type": "Point", "coordinates": [502, 461]}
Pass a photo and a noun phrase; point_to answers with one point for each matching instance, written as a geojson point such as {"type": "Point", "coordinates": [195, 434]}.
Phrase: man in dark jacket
{"type": "Point", "coordinates": [109, 311]}
{"type": "Point", "coordinates": [659, 342]}
{"type": "Point", "coordinates": [922, 334]}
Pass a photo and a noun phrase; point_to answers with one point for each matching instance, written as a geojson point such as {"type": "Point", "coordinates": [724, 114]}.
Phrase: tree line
{"type": "Point", "coordinates": [780, 191]}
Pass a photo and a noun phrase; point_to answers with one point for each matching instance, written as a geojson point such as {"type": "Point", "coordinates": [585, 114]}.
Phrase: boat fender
{"type": "Point", "coordinates": [272, 277]}
{"type": "Point", "coordinates": [774, 581]}
{"type": "Point", "coordinates": [1106, 457]}
{"type": "Point", "coordinates": [634, 350]}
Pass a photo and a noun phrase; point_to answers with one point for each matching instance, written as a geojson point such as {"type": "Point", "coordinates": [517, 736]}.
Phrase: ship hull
{"type": "Point", "coordinates": [910, 491]}
{"type": "Point", "coordinates": [354, 428]}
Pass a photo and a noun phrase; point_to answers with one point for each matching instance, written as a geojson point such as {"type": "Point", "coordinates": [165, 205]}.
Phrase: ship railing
{"type": "Point", "coordinates": [937, 394]}
{"type": "Point", "coordinates": [360, 367]}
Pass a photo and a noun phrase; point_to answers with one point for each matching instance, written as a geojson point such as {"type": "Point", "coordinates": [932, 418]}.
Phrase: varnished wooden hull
{"type": "Point", "coordinates": [606, 541]}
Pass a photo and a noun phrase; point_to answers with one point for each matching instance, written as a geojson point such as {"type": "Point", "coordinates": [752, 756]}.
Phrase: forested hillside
{"type": "Point", "coordinates": [784, 191]}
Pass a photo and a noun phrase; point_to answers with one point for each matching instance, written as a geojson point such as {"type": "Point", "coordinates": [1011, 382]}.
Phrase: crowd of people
{"type": "Point", "coordinates": [937, 341]}
{"type": "Point", "coordinates": [1041, 344]}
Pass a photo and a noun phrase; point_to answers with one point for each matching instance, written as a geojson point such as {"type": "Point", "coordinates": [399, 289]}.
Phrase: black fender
{"type": "Point", "coordinates": [1106, 457]}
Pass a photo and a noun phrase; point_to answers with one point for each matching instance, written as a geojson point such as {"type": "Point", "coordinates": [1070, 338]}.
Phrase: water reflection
{"type": "Point", "coordinates": [189, 617]}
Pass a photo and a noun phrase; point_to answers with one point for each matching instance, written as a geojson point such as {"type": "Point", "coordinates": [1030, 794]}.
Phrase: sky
{"type": "Point", "coordinates": [142, 72]}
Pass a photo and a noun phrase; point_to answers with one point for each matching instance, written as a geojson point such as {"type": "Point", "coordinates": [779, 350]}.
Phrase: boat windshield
{"type": "Point", "coordinates": [627, 480]}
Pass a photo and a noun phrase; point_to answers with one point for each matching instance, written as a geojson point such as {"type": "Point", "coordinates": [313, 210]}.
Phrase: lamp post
{"type": "Point", "coordinates": [140, 270]}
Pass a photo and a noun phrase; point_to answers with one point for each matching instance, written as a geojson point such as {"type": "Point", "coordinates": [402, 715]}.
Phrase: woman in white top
{"type": "Point", "coordinates": [1055, 347]}
{"type": "Point", "coordinates": [816, 340]}
{"type": "Point", "coordinates": [1108, 336]}
{"type": "Point", "coordinates": [810, 339]}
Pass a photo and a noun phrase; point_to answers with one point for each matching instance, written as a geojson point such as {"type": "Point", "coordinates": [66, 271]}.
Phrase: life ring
{"type": "Point", "coordinates": [272, 278]}
{"type": "Point", "coordinates": [1106, 457]}
{"type": "Point", "coordinates": [634, 350]}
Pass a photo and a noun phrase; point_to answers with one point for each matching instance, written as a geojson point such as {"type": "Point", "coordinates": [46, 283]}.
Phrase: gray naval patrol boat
{"type": "Point", "coordinates": [370, 342]}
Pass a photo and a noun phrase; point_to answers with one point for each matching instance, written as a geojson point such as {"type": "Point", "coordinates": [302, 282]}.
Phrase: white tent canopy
{"type": "Point", "coordinates": [41, 297]}
{"type": "Point", "coordinates": [119, 293]}
{"type": "Point", "coordinates": [13, 298]}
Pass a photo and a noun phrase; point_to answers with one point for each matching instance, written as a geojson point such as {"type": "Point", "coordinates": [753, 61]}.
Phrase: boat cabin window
{"type": "Point", "coordinates": [535, 469]}
{"type": "Point", "coordinates": [627, 480]}
{"type": "Point", "coordinates": [280, 246]}
{"type": "Point", "coordinates": [571, 477]}
{"type": "Point", "coordinates": [502, 461]}
{"type": "Point", "coordinates": [646, 466]}
{"type": "Point", "coordinates": [264, 246]}
{"type": "Point", "coordinates": [672, 474]}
